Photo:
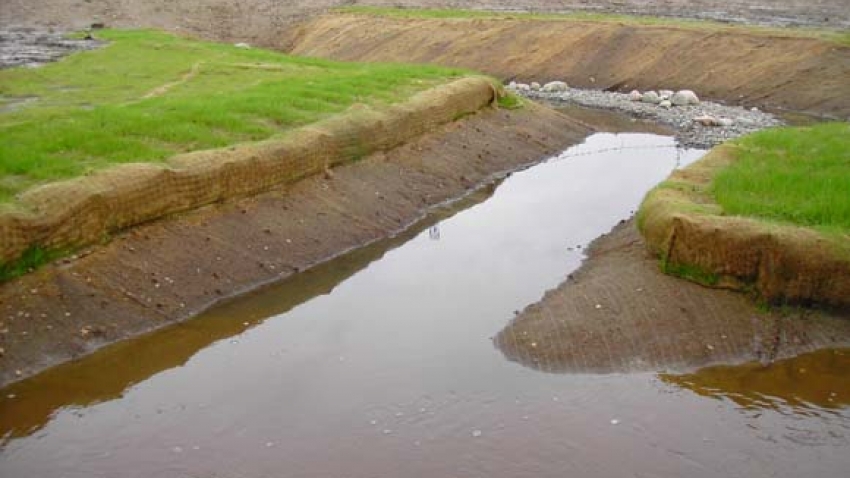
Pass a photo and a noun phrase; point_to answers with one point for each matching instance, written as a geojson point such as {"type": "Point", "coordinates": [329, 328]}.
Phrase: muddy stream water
{"type": "Point", "coordinates": [381, 363]}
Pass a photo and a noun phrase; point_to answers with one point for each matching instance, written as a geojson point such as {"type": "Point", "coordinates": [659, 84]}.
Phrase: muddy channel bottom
{"type": "Point", "coordinates": [381, 364]}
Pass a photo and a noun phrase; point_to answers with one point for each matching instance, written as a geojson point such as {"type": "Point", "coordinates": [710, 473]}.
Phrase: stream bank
{"type": "Point", "coordinates": [169, 270]}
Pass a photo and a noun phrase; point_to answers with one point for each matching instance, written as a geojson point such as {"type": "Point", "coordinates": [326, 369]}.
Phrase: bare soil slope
{"type": "Point", "coordinates": [752, 69]}
{"type": "Point", "coordinates": [261, 21]}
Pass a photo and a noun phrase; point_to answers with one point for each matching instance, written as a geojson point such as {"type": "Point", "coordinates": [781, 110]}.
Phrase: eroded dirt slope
{"type": "Point", "coordinates": [751, 69]}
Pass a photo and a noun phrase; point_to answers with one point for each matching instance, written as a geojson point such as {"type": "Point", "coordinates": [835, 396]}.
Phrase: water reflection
{"type": "Point", "coordinates": [396, 370]}
{"type": "Point", "coordinates": [817, 380]}
{"type": "Point", "coordinates": [26, 406]}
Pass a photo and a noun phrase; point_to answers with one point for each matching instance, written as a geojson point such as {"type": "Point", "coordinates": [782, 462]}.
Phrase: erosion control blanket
{"type": "Point", "coordinates": [82, 211]}
{"type": "Point", "coordinates": [781, 263]}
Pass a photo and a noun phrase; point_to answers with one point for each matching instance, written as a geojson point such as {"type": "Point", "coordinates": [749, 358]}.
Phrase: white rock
{"type": "Point", "coordinates": [666, 104]}
{"type": "Point", "coordinates": [651, 97]}
{"type": "Point", "coordinates": [706, 120]}
{"type": "Point", "coordinates": [535, 85]}
{"type": "Point", "coordinates": [242, 45]}
{"type": "Point", "coordinates": [522, 87]}
{"type": "Point", "coordinates": [512, 84]}
{"type": "Point", "coordinates": [685, 98]}
{"type": "Point", "coordinates": [725, 122]}
{"type": "Point", "coordinates": [555, 87]}
{"type": "Point", "coordinates": [635, 95]}
{"type": "Point", "coordinates": [666, 94]}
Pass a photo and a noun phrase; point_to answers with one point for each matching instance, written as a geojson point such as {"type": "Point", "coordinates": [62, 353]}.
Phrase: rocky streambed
{"type": "Point", "coordinates": [29, 47]}
{"type": "Point", "coordinates": [698, 124]}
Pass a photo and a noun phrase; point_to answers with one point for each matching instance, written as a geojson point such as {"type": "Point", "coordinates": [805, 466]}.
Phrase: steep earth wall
{"type": "Point", "coordinates": [800, 74]}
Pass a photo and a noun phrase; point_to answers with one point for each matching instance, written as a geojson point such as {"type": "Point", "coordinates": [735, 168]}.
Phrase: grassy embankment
{"type": "Point", "coordinates": [147, 96]}
{"type": "Point", "coordinates": [840, 37]}
{"type": "Point", "coordinates": [798, 176]}
{"type": "Point", "coordinates": [785, 178]}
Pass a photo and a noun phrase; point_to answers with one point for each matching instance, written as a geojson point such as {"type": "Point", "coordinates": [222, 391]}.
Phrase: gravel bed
{"type": "Point", "coordinates": [689, 133]}
{"type": "Point", "coordinates": [28, 47]}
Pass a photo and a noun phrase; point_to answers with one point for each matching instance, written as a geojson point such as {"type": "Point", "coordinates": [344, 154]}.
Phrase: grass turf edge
{"type": "Point", "coordinates": [70, 214]}
{"type": "Point", "coordinates": [780, 262]}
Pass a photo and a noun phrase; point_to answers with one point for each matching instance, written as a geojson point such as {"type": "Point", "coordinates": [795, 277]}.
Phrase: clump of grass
{"type": "Point", "coordinates": [799, 176]}
{"type": "Point", "coordinates": [150, 95]}
{"type": "Point", "coordinates": [690, 272]}
{"type": "Point", "coordinates": [510, 101]}
{"type": "Point", "coordinates": [31, 259]}
{"type": "Point", "coordinates": [836, 36]}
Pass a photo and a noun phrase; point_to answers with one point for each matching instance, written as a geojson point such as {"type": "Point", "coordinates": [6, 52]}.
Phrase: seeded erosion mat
{"type": "Point", "coordinates": [82, 211]}
{"type": "Point", "coordinates": [781, 263]}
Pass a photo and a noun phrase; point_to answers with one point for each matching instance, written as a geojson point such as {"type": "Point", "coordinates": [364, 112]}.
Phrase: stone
{"type": "Point", "coordinates": [666, 104]}
{"type": "Point", "coordinates": [244, 46]}
{"type": "Point", "coordinates": [706, 120]}
{"type": "Point", "coordinates": [666, 94]}
{"type": "Point", "coordinates": [651, 97]}
{"type": "Point", "coordinates": [725, 122]}
{"type": "Point", "coordinates": [535, 85]}
{"type": "Point", "coordinates": [522, 87]}
{"type": "Point", "coordinates": [555, 87]}
{"type": "Point", "coordinates": [685, 98]}
{"type": "Point", "coordinates": [635, 95]}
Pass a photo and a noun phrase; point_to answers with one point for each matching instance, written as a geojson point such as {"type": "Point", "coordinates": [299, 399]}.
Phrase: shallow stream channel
{"type": "Point", "coordinates": [381, 363]}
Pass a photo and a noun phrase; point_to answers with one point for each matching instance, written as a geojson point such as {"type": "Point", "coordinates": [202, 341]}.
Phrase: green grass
{"type": "Point", "coordinates": [799, 176]}
{"type": "Point", "coordinates": [839, 37]}
{"type": "Point", "coordinates": [690, 272]}
{"type": "Point", "coordinates": [32, 258]}
{"type": "Point", "coordinates": [147, 96]}
{"type": "Point", "coordinates": [511, 101]}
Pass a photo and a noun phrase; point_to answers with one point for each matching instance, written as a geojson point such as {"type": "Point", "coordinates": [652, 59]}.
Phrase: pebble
{"type": "Point", "coordinates": [476, 433]}
{"type": "Point", "coordinates": [650, 97]}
